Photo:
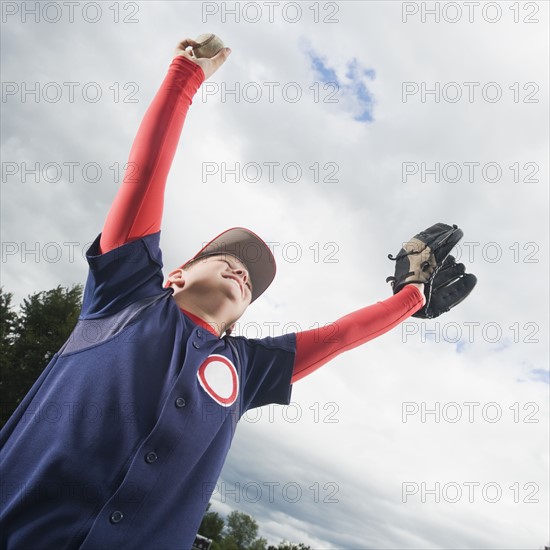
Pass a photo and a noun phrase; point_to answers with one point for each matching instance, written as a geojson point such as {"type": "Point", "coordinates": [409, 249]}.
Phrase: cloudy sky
{"type": "Point", "coordinates": [378, 119]}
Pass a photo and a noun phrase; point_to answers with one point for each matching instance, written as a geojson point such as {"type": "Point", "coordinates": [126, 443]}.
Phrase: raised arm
{"type": "Point", "coordinates": [316, 347]}
{"type": "Point", "coordinates": [137, 208]}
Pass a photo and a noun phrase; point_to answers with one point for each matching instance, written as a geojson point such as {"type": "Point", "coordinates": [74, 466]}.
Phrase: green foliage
{"type": "Point", "coordinates": [8, 321]}
{"type": "Point", "coordinates": [211, 525]}
{"type": "Point", "coordinates": [229, 543]}
{"type": "Point", "coordinates": [242, 528]}
{"type": "Point", "coordinates": [258, 544]}
{"type": "Point", "coordinates": [283, 545]}
{"type": "Point", "coordinates": [31, 337]}
{"type": "Point", "coordinates": [240, 533]}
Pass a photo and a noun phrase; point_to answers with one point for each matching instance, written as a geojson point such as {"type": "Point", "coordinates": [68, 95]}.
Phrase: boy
{"type": "Point", "coordinates": [150, 385]}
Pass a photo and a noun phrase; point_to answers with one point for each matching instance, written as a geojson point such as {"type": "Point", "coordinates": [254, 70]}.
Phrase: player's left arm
{"type": "Point", "coordinates": [316, 347]}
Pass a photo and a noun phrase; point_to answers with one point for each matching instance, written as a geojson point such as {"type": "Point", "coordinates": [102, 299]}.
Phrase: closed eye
{"type": "Point", "coordinates": [232, 267]}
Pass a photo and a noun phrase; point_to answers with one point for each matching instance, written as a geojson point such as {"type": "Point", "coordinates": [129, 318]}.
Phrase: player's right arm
{"type": "Point", "coordinates": [137, 208]}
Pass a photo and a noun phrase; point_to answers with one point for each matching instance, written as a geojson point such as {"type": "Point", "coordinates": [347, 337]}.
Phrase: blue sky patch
{"type": "Point", "coordinates": [353, 90]}
{"type": "Point", "coordinates": [461, 346]}
{"type": "Point", "coordinates": [541, 375]}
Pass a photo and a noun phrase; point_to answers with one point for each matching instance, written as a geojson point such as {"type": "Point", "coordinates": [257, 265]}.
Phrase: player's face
{"type": "Point", "coordinates": [220, 282]}
{"type": "Point", "coordinates": [224, 271]}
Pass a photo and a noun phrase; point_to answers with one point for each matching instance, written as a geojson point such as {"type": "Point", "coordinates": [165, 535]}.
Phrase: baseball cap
{"type": "Point", "coordinates": [250, 249]}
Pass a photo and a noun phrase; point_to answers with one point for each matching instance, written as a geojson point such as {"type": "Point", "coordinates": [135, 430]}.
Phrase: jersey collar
{"type": "Point", "coordinates": [201, 322]}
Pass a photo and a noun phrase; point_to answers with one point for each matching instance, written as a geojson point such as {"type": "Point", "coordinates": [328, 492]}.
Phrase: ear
{"type": "Point", "coordinates": [176, 277]}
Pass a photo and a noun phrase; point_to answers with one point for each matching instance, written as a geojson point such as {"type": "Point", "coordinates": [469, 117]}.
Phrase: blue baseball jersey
{"type": "Point", "coordinates": [121, 440]}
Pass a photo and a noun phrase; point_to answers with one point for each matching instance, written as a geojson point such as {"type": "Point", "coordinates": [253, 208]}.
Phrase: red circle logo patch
{"type": "Point", "coordinates": [218, 377]}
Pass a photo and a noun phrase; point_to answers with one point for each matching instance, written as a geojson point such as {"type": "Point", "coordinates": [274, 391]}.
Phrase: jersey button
{"type": "Point", "coordinates": [151, 457]}
{"type": "Point", "coordinates": [196, 345]}
{"type": "Point", "coordinates": [199, 333]}
{"type": "Point", "coordinates": [180, 402]}
{"type": "Point", "coordinates": [116, 517]}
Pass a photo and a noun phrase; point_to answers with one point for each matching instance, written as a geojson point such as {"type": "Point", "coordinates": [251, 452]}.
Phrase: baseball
{"type": "Point", "coordinates": [208, 45]}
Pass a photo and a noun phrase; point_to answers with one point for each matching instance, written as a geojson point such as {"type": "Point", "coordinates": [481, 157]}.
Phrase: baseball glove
{"type": "Point", "coordinates": [425, 259]}
{"type": "Point", "coordinates": [450, 286]}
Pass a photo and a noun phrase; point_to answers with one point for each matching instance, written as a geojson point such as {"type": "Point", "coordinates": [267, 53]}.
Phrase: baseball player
{"type": "Point", "coordinates": [120, 441]}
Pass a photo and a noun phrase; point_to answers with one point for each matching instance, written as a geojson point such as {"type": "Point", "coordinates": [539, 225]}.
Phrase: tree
{"type": "Point", "coordinates": [258, 544]}
{"type": "Point", "coordinates": [8, 320]}
{"type": "Point", "coordinates": [240, 533]}
{"type": "Point", "coordinates": [212, 525]}
{"type": "Point", "coordinates": [284, 545]}
{"type": "Point", "coordinates": [242, 528]}
{"type": "Point", "coordinates": [229, 543]}
{"type": "Point", "coordinates": [30, 338]}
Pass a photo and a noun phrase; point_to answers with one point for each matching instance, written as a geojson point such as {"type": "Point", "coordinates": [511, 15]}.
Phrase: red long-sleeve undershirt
{"type": "Point", "coordinates": [137, 211]}
{"type": "Point", "coordinates": [137, 208]}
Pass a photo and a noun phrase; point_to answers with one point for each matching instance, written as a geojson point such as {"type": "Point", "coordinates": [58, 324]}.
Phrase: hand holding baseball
{"type": "Point", "coordinates": [203, 54]}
